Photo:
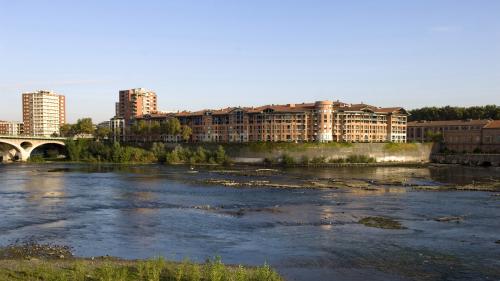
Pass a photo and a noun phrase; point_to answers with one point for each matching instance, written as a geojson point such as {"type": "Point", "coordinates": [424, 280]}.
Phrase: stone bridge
{"type": "Point", "coordinates": [20, 147]}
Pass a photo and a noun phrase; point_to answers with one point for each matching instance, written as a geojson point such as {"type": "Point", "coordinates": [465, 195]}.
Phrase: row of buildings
{"type": "Point", "coordinates": [43, 114]}
{"type": "Point", "coordinates": [321, 121]}
{"type": "Point", "coordinates": [458, 135]}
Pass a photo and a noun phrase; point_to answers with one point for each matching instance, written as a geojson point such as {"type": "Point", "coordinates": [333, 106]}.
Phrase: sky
{"type": "Point", "coordinates": [212, 54]}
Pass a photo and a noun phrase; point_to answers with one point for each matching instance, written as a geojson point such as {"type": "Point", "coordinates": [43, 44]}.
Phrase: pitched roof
{"type": "Point", "coordinates": [495, 124]}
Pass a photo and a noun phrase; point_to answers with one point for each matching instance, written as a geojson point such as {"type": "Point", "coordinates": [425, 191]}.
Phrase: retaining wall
{"type": "Point", "coordinates": [467, 159]}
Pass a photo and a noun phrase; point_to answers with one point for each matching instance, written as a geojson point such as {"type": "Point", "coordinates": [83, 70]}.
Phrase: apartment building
{"type": "Point", "coordinates": [11, 128]}
{"type": "Point", "coordinates": [458, 135]}
{"type": "Point", "coordinates": [136, 102]}
{"type": "Point", "coordinates": [321, 121]}
{"type": "Point", "coordinates": [117, 127]}
{"type": "Point", "coordinates": [43, 113]}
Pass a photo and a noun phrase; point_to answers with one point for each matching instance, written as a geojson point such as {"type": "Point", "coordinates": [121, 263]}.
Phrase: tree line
{"type": "Point", "coordinates": [171, 127]}
{"type": "Point", "coordinates": [141, 129]}
{"type": "Point", "coordinates": [87, 150]}
{"type": "Point", "coordinates": [455, 113]}
{"type": "Point", "coordinates": [84, 126]}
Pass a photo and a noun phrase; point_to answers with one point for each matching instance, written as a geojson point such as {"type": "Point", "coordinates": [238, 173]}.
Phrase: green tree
{"type": "Point", "coordinates": [102, 132]}
{"type": "Point", "coordinates": [66, 130]}
{"type": "Point", "coordinates": [455, 113]}
{"type": "Point", "coordinates": [171, 127]}
{"type": "Point", "coordinates": [154, 128]}
{"type": "Point", "coordinates": [220, 155]}
{"type": "Point", "coordinates": [186, 132]}
{"type": "Point", "coordinates": [84, 126]}
{"type": "Point", "coordinates": [75, 149]}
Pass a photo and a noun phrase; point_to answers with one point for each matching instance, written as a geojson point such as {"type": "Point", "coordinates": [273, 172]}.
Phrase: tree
{"type": "Point", "coordinates": [455, 113]}
{"type": "Point", "coordinates": [186, 132]}
{"type": "Point", "coordinates": [220, 155]}
{"type": "Point", "coordinates": [171, 127]}
{"type": "Point", "coordinates": [435, 137]}
{"type": "Point", "coordinates": [84, 126]}
{"type": "Point", "coordinates": [66, 130]}
{"type": "Point", "coordinates": [74, 149]}
{"type": "Point", "coordinates": [154, 128]}
{"type": "Point", "coordinates": [102, 132]}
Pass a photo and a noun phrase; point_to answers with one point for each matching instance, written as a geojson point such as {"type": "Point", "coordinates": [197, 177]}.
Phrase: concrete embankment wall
{"type": "Point", "coordinates": [382, 152]}
{"type": "Point", "coordinates": [467, 159]}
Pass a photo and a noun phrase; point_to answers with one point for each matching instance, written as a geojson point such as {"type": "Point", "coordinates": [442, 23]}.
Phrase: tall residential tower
{"type": "Point", "coordinates": [43, 113]}
{"type": "Point", "coordinates": [136, 102]}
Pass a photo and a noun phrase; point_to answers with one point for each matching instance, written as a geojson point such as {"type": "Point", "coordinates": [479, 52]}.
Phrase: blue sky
{"type": "Point", "coordinates": [211, 54]}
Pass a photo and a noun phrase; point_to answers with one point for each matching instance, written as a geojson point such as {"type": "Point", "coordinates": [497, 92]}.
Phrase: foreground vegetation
{"type": "Point", "coordinates": [107, 269]}
{"type": "Point", "coordinates": [94, 151]}
{"type": "Point", "coordinates": [45, 262]}
{"type": "Point", "coordinates": [86, 150]}
{"type": "Point", "coordinates": [287, 160]}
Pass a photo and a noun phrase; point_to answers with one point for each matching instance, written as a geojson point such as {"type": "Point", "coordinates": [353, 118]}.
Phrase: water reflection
{"type": "Point", "coordinates": [137, 212]}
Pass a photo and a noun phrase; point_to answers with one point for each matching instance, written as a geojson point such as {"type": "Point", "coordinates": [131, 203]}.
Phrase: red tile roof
{"type": "Point", "coordinates": [495, 124]}
{"type": "Point", "coordinates": [292, 108]}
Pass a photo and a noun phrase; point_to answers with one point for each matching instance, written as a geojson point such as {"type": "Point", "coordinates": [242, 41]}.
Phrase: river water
{"type": "Point", "coordinates": [306, 234]}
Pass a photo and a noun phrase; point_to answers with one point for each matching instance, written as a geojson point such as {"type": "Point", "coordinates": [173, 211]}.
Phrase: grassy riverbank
{"type": "Point", "coordinates": [106, 269]}
{"type": "Point", "coordinates": [35, 262]}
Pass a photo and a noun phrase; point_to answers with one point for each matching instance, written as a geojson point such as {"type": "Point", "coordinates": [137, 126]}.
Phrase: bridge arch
{"type": "Point", "coordinates": [26, 144]}
{"type": "Point", "coordinates": [59, 144]}
{"type": "Point", "coordinates": [13, 154]}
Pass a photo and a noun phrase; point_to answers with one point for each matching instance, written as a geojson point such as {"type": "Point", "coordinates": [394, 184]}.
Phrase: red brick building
{"type": "Point", "coordinates": [322, 121]}
{"type": "Point", "coordinates": [136, 102]}
{"type": "Point", "coordinates": [458, 135]}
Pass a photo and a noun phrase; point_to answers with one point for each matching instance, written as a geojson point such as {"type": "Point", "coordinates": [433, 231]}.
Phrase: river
{"type": "Point", "coordinates": [306, 234]}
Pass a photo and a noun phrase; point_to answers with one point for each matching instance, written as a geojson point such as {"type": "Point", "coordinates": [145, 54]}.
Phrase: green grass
{"type": "Point", "coordinates": [381, 222]}
{"type": "Point", "coordinates": [400, 147]}
{"type": "Point", "coordinates": [157, 269]}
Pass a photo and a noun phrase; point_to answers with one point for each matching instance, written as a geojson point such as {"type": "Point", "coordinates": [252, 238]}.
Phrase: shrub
{"type": "Point", "coordinates": [304, 160]}
{"type": "Point", "coordinates": [318, 160]}
{"type": "Point", "coordinates": [360, 159]}
{"type": "Point", "coordinates": [287, 160]}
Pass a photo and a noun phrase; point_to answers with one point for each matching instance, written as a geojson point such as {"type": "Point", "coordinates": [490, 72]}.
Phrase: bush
{"type": "Point", "coordinates": [181, 155]}
{"type": "Point", "coordinates": [318, 160]}
{"type": "Point", "coordinates": [287, 160]}
{"type": "Point", "coordinates": [304, 160]}
{"type": "Point", "coordinates": [360, 159]}
{"type": "Point", "coordinates": [337, 160]}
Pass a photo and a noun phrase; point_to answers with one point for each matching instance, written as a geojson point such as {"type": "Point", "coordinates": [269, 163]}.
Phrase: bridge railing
{"type": "Point", "coordinates": [31, 137]}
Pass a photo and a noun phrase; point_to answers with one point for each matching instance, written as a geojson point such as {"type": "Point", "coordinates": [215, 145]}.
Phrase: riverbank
{"type": "Point", "coordinates": [49, 262]}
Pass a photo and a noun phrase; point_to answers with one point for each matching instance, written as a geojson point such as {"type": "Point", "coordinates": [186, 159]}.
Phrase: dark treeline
{"type": "Point", "coordinates": [455, 113]}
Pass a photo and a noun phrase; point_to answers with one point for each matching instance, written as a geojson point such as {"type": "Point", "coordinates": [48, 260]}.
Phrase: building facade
{"type": "Point", "coordinates": [11, 128]}
{"type": "Point", "coordinates": [491, 137]}
{"type": "Point", "coordinates": [117, 127]}
{"type": "Point", "coordinates": [136, 102]}
{"type": "Point", "coordinates": [43, 113]}
{"type": "Point", "coordinates": [321, 121]}
{"type": "Point", "coordinates": [458, 135]}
